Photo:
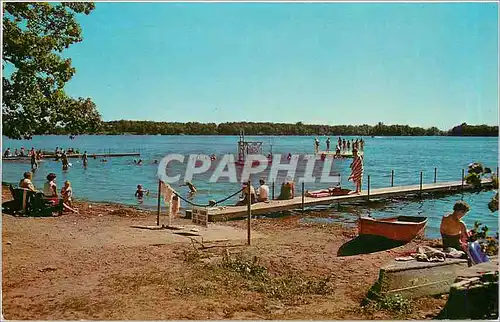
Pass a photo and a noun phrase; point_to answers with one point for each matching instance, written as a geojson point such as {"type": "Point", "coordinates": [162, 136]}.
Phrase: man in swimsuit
{"type": "Point", "coordinates": [453, 229]}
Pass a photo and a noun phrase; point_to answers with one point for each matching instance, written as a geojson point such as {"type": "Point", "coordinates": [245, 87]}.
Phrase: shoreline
{"type": "Point", "coordinates": [93, 265]}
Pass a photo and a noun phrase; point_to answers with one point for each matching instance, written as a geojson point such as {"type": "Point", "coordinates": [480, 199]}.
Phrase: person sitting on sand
{"type": "Point", "coordinates": [50, 189]}
{"type": "Point", "coordinates": [140, 192]}
{"type": "Point", "coordinates": [244, 195]}
{"type": "Point", "coordinates": [67, 194]}
{"type": "Point", "coordinates": [287, 190]}
{"type": "Point", "coordinates": [453, 229]}
{"type": "Point", "coordinates": [263, 191]}
{"type": "Point", "coordinates": [26, 182]}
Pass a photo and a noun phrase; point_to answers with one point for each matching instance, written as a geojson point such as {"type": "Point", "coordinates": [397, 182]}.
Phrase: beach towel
{"type": "Point", "coordinates": [357, 169]}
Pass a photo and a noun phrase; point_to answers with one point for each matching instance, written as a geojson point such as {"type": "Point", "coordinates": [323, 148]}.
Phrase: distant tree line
{"type": "Point", "coordinates": [267, 128]}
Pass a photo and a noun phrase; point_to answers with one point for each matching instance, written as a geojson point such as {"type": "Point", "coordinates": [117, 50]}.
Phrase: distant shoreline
{"type": "Point", "coordinates": [125, 127]}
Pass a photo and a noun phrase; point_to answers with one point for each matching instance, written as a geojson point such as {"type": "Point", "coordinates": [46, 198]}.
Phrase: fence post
{"type": "Point", "coordinates": [392, 178]}
{"type": "Point", "coordinates": [249, 211]}
{"type": "Point", "coordinates": [272, 193]}
{"type": "Point", "coordinates": [303, 192]}
{"type": "Point", "coordinates": [463, 174]}
{"type": "Point", "coordinates": [435, 174]}
{"type": "Point", "coordinates": [421, 174]}
{"type": "Point", "coordinates": [159, 205]}
{"type": "Point", "coordinates": [368, 187]}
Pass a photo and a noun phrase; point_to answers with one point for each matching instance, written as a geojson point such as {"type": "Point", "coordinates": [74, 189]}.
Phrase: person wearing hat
{"type": "Point", "coordinates": [50, 188]}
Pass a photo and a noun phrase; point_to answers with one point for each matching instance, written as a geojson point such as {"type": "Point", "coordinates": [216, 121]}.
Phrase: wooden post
{"type": "Point", "coordinates": [463, 174]}
{"type": "Point", "coordinates": [392, 178]}
{"type": "Point", "coordinates": [421, 175]}
{"type": "Point", "coordinates": [272, 193]}
{"type": "Point", "coordinates": [159, 204]}
{"type": "Point", "coordinates": [368, 187]}
{"type": "Point", "coordinates": [249, 211]}
{"type": "Point", "coordinates": [303, 193]}
{"type": "Point", "coordinates": [435, 174]}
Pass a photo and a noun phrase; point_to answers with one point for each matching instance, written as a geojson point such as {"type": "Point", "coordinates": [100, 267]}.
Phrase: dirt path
{"type": "Point", "coordinates": [93, 265]}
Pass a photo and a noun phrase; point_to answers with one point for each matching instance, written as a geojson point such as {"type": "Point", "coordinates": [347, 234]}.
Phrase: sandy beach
{"type": "Point", "coordinates": [94, 265]}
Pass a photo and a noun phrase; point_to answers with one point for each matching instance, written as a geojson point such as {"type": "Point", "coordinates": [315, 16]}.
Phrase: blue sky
{"type": "Point", "coordinates": [333, 63]}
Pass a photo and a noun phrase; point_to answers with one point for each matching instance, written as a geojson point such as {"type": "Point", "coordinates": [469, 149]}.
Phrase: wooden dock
{"type": "Point", "coordinates": [75, 155]}
{"type": "Point", "coordinates": [343, 154]}
{"type": "Point", "coordinates": [229, 212]}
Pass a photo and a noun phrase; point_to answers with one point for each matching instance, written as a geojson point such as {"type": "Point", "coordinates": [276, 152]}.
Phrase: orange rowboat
{"type": "Point", "coordinates": [401, 228]}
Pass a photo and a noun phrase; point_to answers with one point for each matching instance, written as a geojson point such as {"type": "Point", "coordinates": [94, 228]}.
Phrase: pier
{"type": "Point", "coordinates": [221, 213]}
{"type": "Point", "coordinates": [343, 153]}
{"type": "Point", "coordinates": [74, 156]}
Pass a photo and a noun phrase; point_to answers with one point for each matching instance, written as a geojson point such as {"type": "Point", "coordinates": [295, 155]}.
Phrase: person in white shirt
{"type": "Point", "coordinates": [263, 191]}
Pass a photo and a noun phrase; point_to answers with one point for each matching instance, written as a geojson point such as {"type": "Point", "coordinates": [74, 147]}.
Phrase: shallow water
{"type": "Point", "coordinates": [117, 179]}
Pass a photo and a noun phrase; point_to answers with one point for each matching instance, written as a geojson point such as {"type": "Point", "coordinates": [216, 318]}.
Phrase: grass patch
{"type": "Point", "coordinates": [395, 304]}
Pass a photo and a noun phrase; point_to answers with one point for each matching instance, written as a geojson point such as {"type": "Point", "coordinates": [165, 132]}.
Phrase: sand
{"type": "Point", "coordinates": [94, 265]}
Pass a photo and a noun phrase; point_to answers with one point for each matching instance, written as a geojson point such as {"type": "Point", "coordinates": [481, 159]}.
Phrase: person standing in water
{"type": "Point", "coordinates": [328, 144]}
{"type": "Point", "coordinates": [34, 161]}
{"type": "Point", "coordinates": [85, 159]}
{"type": "Point", "coordinates": [64, 160]}
{"type": "Point", "coordinates": [316, 145]}
{"type": "Point", "coordinates": [356, 170]}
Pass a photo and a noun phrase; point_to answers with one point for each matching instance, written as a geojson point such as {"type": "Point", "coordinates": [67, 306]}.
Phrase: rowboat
{"type": "Point", "coordinates": [401, 228]}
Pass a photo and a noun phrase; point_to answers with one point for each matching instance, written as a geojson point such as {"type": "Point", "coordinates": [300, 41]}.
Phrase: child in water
{"type": "Point", "coordinates": [140, 192]}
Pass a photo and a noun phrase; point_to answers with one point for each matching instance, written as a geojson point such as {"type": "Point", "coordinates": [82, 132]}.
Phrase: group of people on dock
{"type": "Point", "coordinates": [262, 193]}
{"type": "Point", "coordinates": [50, 190]}
{"type": "Point", "coordinates": [342, 145]}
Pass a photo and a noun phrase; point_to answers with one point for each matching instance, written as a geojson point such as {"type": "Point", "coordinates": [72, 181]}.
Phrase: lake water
{"type": "Point", "coordinates": [117, 179]}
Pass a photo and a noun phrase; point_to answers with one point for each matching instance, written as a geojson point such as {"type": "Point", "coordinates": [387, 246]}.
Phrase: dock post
{"type": "Point", "coordinates": [159, 200]}
{"type": "Point", "coordinates": [303, 193]}
{"type": "Point", "coordinates": [272, 192]}
{"type": "Point", "coordinates": [435, 174]}
{"type": "Point", "coordinates": [392, 178]}
{"type": "Point", "coordinates": [368, 187]}
{"type": "Point", "coordinates": [463, 174]}
{"type": "Point", "coordinates": [249, 211]}
{"type": "Point", "coordinates": [420, 193]}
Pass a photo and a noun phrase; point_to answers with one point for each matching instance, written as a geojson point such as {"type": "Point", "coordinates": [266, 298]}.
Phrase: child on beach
{"type": "Point", "coordinates": [67, 194]}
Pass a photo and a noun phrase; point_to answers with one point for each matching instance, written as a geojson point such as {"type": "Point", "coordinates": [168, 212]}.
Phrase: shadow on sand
{"type": "Point", "coordinates": [366, 244]}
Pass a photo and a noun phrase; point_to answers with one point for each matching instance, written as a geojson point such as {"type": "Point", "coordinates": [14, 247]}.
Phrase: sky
{"type": "Point", "coordinates": [421, 64]}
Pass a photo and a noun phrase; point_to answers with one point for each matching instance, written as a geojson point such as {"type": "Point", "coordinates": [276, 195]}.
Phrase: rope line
{"type": "Point", "coordinates": [208, 205]}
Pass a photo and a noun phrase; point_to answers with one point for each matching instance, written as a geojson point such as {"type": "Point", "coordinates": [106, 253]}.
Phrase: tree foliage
{"type": "Point", "coordinates": [264, 128]}
{"type": "Point", "coordinates": [34, 102]}
{"type": "Point", "coordinates": [473, 130]}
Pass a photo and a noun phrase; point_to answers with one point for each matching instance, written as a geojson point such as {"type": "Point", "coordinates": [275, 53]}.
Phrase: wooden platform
{"type": "Point", "coordinates": [76, 155]}
{"type": "Point", "coordinates": [343, 154]}
{"type": "Point", "coordinates": [261, 208]}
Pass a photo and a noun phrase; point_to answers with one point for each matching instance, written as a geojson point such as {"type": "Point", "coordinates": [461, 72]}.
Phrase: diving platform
{"type": "Point", "coordinates": [221, 213]}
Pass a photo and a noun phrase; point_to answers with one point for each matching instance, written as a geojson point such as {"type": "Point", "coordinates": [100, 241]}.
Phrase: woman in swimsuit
{"type": "Point", "coordinates": [453, 229]}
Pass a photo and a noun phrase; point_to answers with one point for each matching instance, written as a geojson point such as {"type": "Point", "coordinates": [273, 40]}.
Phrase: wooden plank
{"type": "Point", "coordinates": [295, 203]}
